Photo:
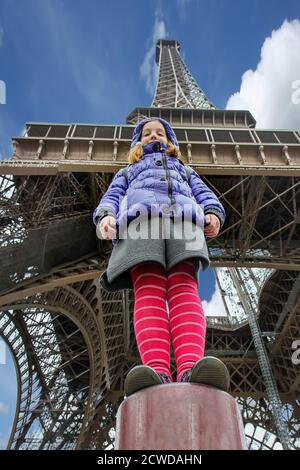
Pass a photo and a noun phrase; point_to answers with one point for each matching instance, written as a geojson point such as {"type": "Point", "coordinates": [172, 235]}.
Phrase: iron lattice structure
{"type": "Point", "coordinates": [73, 342]}
{"type": "Point", "coordinates": [176, 88]}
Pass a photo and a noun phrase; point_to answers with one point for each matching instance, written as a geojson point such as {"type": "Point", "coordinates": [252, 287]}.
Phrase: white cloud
{"type": "Point", "coordinates": [215, 306]}
{"type": "Point", "coordinates": [270, 90]}
{"type": "Point", "coordinates": [149, 69]}
{"type": "Point", "coordinates": [1, 36]}
{"type": "Point", "coordinates": [182, 6]}
{"type": "Point", "coordinates": [3, 408]}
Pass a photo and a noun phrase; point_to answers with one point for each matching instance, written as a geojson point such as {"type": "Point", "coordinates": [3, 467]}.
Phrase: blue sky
{"type": "Point", "coordinates": [87, 61]}
{"type": "Point", "coordinates": [79, 61]}
{"type": "Point", "coordinates": [8, 393]}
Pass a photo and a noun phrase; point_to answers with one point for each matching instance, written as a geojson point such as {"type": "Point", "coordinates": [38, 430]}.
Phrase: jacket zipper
{"type": "Point", "coordinates": [168, 177]}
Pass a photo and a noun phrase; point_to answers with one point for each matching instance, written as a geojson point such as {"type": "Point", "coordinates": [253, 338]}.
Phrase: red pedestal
{"type": "Point", "coordinates": [179, 417]}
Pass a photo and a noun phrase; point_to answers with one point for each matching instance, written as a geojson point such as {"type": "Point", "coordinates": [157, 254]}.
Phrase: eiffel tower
{"type": "Point", "coordinates": [73, 342]}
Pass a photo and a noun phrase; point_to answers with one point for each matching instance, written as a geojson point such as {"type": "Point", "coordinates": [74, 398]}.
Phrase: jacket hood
{"type": "Point", "coordinates": [168, 128]}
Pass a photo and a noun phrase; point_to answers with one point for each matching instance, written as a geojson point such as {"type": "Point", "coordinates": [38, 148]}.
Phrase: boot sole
{"type": "Point", "coordinates": [211, 371]}
{"type": "Point", "coordinates": [139, 378]}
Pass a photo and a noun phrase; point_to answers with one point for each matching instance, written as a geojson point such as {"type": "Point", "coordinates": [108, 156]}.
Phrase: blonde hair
{"type": "Point", "coordinates": [135, 154]}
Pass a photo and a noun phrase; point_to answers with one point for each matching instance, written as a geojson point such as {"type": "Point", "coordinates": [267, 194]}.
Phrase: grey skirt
{"type": "Point", "coordinates": [166, 240]}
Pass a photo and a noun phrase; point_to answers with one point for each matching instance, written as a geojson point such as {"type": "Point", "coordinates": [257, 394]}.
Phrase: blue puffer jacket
{"type": "Point", "coordinates": [157, 184]}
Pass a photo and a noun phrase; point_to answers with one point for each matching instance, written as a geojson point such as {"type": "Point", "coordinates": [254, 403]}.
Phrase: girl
{"type": "Point", "coordinates": [151, 212]}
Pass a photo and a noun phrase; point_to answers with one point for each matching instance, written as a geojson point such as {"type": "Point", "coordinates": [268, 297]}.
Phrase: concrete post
{"type": "Point", "coordinates": [179, 417]}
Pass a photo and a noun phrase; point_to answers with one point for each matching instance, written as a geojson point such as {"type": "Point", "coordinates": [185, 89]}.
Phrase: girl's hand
{"type": "Point", "coordinates": [212, 225]}
{"type": "Point", "coordinates": [106, 228]}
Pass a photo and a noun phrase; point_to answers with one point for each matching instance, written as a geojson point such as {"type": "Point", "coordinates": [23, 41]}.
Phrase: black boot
{"type": "Point", "coordinates": [142, 377]}
{"type": "Point", "coordinates": [210, 371]}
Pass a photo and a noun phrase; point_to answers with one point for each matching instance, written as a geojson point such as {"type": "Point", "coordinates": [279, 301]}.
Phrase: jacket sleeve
{"type": "Point", "coordinates": [206, 197]}
{"type": "Point", "coordinates": [110, 201]}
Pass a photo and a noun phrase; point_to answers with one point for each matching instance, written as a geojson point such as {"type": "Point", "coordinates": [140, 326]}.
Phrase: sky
{"type": "Point", "coordinates": [8, 393]}
{"type": "Point", "coordinates": [92, 61]}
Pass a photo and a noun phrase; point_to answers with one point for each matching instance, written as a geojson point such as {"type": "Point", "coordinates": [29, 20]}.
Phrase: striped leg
{"type": "Point", "coordinates": [187, 320]}
{"type": "Point", "coordinates": [151, 322]}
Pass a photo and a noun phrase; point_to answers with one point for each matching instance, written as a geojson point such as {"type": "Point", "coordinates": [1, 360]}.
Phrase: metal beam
{"type": "Point", "coordinates": [47, 286]}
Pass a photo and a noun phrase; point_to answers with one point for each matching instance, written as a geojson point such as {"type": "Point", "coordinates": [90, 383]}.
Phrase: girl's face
{"type": "Point", "coordinates": [153, 130]}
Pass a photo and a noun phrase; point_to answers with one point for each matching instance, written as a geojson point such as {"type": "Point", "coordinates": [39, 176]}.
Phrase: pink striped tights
{"type": "Point", "coordinates": [155, 327]}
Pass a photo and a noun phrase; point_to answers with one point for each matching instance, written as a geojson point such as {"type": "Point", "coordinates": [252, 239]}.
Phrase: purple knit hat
{"type": "Point", "coordinates": [138, 130]}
